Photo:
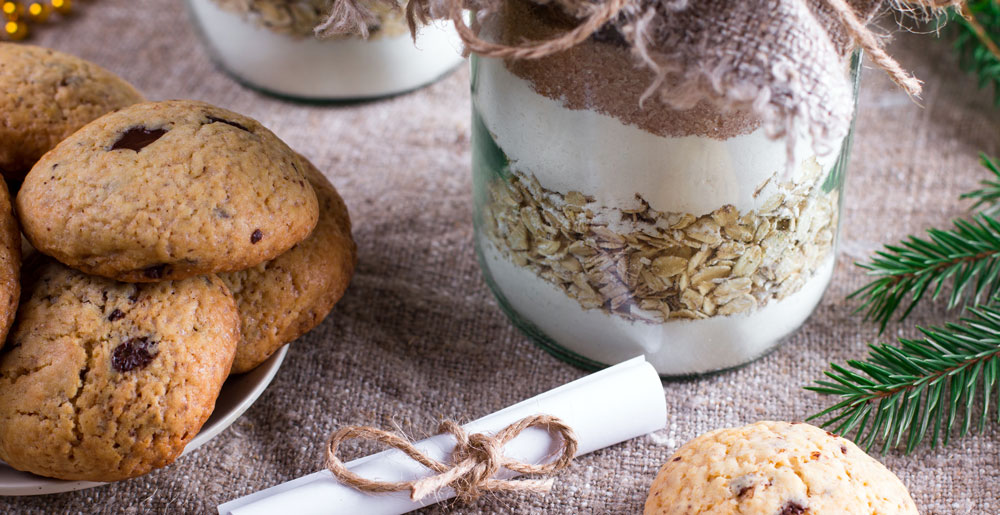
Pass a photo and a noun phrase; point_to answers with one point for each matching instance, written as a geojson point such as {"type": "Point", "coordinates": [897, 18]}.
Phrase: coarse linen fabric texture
{"type": "Point", "coordinates": [418, 337]}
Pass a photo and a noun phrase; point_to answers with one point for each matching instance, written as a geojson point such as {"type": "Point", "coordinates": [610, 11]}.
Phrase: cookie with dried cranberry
{"type": "Point", "coordinates": [104, 380]}
{"type": "Point", "coordinates": [284, 298]}
{"type": "Point", "coordinates": [167, 190]}
{"type": "Point", "coordinates": [775, 468]}
{"type": "Point", "coordinates": [47, 96]}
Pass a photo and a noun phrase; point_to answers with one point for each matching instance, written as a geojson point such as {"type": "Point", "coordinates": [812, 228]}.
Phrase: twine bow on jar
{"type": "Point", "coordinates": [475, 460]}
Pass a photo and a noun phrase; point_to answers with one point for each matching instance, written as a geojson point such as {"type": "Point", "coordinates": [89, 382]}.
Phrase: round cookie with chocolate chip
{"type": "Point", "coordinates": [47, 96]}
{"type": "Point", "coordinates": [104, 380]}
{"type": "Point", "coordinates": [167, 190]}
{"type": "Point", "coordinates": [775, 468]}
{"type": "Point", "coordinates": [284, 298]}
{"type": "Point", "coordinates": [10, 262]}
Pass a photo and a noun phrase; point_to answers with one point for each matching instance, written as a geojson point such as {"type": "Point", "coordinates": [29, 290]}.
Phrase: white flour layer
{"type": "Point", "coordinates": [677, 347]}
{"type": "Point", "coordinates": [326, 69]}
{"type": "Point", "coordinates": [598, 155]}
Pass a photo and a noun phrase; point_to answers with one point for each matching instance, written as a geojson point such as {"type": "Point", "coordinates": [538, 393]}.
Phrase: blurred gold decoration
{"type": "Point", "coordinates": [12, 10]}
{"type": "Point", "coordinates": [17, 14]}
{"type": "Point", "coordinates": [62, 6]}
{"type": "Point", "coordinates": [38, 12]}
{"type": "Point", "coordinates": [15, 30]}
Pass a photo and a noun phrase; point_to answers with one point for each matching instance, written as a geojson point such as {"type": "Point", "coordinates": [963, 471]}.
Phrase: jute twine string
{"type": "Point", "coordinates": [602, 13]}
{"type": "Point", "coordinates": [607, 11]}
{"type": "Point", "coordinates": [873, 46]}
{"type": "Point", "coordinates": [474, 462]}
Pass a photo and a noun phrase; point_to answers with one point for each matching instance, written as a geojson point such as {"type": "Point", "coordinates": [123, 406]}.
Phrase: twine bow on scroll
{"type": "Point", "coordinates": [475, 461]}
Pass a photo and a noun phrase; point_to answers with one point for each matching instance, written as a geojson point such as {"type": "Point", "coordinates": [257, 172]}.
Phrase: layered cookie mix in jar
{"type": "Point", "coordinates": [661, 177]}
{"type": "Point", "coordinates": [284, 47]}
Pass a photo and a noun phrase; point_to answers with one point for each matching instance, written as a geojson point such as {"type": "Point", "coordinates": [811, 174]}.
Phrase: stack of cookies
{"type": "Point", "coordinates": [177, 242]}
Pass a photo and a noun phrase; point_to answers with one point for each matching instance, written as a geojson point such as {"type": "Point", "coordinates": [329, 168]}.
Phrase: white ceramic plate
{"type": "Point", "coordinates": [237, 395]}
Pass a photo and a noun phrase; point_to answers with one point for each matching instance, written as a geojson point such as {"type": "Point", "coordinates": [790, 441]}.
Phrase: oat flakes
{"type": "Point", "coordinates": [653, 266]}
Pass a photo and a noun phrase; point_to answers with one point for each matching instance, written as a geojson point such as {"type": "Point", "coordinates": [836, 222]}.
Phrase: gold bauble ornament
{"type": "Point", "coordinates": [62, 6]}
{"type": "Point", "coordinates": [38, 12]}
{"type": "Point", "coordinates": [16, 30]}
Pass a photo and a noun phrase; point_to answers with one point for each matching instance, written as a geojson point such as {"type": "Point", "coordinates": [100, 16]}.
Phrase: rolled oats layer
{"type": "Point", "coordinates": [298, 18]}
{"type": "Point", "coordinates": [642, 264]}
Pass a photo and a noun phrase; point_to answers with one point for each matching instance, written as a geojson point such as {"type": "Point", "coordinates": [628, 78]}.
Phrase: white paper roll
{"type": "Point", "coordinates": [604, 408]}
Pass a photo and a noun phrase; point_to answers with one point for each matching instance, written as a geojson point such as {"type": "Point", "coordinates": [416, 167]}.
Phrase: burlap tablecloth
{"type": "Point", "coordinates": [418, 336]}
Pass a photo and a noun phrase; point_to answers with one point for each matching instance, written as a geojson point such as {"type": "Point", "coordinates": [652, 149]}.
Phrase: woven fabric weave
{"type": "Point", "coordinates": [418, 337]}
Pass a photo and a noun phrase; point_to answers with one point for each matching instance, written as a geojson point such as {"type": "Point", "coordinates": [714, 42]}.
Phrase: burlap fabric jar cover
{"type": "Point", "coordinates": [659, 177]}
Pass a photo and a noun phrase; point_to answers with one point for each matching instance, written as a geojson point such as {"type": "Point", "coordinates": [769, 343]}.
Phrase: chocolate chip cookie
{"type": "Point", "coordinates": [775, 468]}
{"type": "Point", "coordinates": [167, 190]}
{"type": "Point", "coordinates": [106, 380]}
{"type": "Point", "coordinates": [44, 97]}
{"type": "Point", "coordinates": [284, 298]}
{"type": "Point", "coordinates": [10, 262]}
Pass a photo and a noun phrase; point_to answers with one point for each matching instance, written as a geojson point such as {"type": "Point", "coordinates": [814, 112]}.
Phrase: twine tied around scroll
{"type": "Point", "coordinates": [474, 462]}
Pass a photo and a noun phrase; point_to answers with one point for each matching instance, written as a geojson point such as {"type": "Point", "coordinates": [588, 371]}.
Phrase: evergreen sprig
{"type": "Point", "coordinates": [921, 388]}
{"type": "Point", "coordinates": [976, 43]}
{"type": "Point", "coordinates": [988, 195]}
{"type": "Point", "coordinates": [967, 256]}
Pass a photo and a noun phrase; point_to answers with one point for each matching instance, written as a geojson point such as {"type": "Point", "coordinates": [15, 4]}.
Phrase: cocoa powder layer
{"type": "Point", "coordinates": [601, 74]}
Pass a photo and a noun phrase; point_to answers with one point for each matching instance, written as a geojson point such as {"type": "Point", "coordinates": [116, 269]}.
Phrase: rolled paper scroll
{"type": "Point", "coordinates": [608, 407]}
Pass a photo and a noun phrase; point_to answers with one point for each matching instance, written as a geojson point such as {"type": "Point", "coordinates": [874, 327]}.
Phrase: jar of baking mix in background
{"type": "Point", "coordinates": [609, 222]}
{"type": "Point", "coordinates": [270, 45]}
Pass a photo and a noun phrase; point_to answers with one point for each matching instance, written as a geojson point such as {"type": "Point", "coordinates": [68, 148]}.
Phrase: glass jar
{"type": "Point", "coordinates": [608, 230]}
{"type": "Point", "coordinates": [268, 45]}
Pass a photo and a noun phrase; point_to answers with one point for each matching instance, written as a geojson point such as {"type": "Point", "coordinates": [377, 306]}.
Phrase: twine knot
{"type": "Point", "coordinates": [474, 462]}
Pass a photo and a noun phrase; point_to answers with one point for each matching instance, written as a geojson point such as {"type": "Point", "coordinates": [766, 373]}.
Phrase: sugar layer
{"type": "Point", "coordinates": [598, 155]}
{"type": "Point", "coordinates": [678, 347]}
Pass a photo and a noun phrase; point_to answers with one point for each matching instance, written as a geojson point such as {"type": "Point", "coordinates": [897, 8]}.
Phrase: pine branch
{"type": "Point", "coordinates": [978, 23]}
{"type": "Point", "coordinates": [988, 196]}
{"type": "Point", "coordinates": [920, 389]}
{"type": "Point", "coordinates": [967, 256]}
